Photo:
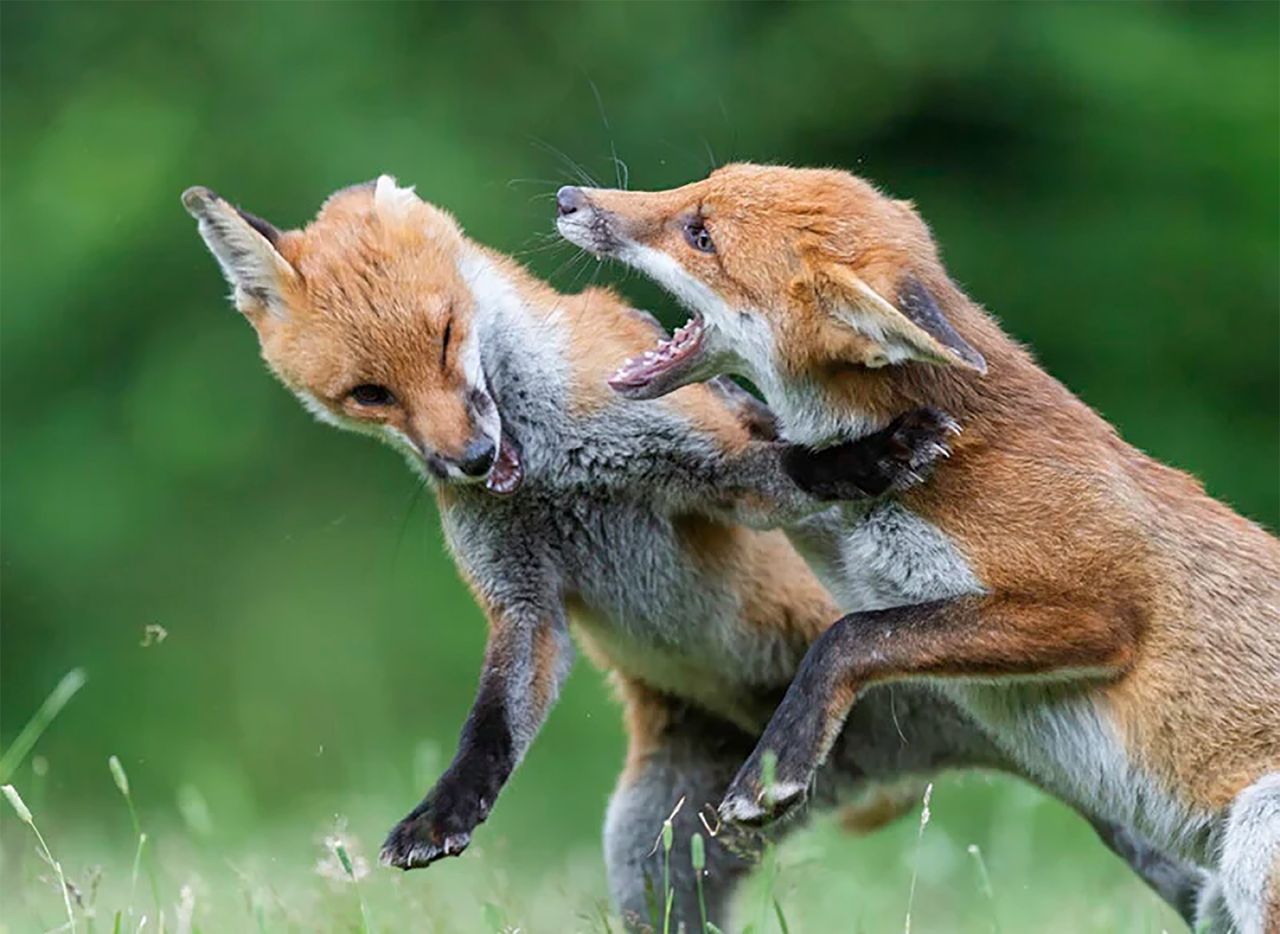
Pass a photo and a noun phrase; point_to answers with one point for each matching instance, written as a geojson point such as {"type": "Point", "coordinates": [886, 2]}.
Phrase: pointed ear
{"type": "Point", "coordinates": [244, 246]}
{"type": "Point", "coordinates": [911, 326]}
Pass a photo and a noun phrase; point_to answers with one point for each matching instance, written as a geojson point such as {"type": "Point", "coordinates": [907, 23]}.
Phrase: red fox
{"type": "Point", "coordinates": [562, 503]}
{"type": "Point", "coordinates": [1113, 629]}
{"type": "Point", "coordinates": [384, 318]}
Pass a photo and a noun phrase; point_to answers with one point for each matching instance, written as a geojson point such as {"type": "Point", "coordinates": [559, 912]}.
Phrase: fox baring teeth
{"type": "Point", "coordinates": [1114, 628]}
{"type": "Point", "coordinates": [667, 366]}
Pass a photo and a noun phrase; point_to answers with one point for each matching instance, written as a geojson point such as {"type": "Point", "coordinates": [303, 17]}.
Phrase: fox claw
{"type": "Point", "coordinates": [746, 803]}
{"type": "Point", "coordinates": [919, 440]}
{"type": "Point", "coordinates": [412, 845]}
{"type": "Point", "coordinates": [891, 460]}
{"type": "Point", "coordinates": [438, 827]}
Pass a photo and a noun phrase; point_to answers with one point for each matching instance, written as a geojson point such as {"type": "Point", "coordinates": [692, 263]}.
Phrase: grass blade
{"type": "Point", "coordinates": [915, 868]}
{"type": "Point", "coordinates": [24, 815]}
{"type": "Point", "coordinates": [987, 890]}
{"type": "Point", "coordinates": [698, 859]}
{"type": "Point", "coordinates": [22, 744]}
{"type": "Point", "coordinates": [122, 783]}
{"type": "Point", "coordinates": [782, 919]}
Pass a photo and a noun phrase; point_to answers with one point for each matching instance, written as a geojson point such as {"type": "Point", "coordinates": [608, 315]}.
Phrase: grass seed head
{"type": "Point", "coordinates": [15, 799]}
{"type": "Point", "coordinates": [117, 773]}
{"type": "Point", "coordinates": [697, 852]}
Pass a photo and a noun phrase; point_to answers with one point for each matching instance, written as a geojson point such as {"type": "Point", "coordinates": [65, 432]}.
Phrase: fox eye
{"type": "Point", "coordinates": [444, 343]}
{"type": "Point", "coordinates": [372, 394]}
{"type": "Point", "coordinates": [696, 233]}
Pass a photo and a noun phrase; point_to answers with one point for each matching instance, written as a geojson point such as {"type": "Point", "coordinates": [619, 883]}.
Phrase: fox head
{"type": "Point", "coordinates": [366, 316]}
{"type": "Point", "coordinates": [788, 272]}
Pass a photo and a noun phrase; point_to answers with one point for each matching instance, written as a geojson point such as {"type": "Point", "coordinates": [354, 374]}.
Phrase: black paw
{"type": "Point", "coordinates": [913, 443]}
{"type": "Point", "coordinates": [438, 827]}
{"type": "Point", "coordinates": [891, 460]}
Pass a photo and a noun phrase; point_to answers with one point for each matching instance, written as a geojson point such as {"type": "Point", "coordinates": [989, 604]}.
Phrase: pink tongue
{"type": "Point", "coordinates": [507, 472]}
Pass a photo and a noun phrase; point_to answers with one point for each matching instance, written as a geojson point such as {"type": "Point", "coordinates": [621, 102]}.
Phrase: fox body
{"type": "Point", "coordinates": [565, 506]}
{"type": "Point", "coordinates": [1114, 630]}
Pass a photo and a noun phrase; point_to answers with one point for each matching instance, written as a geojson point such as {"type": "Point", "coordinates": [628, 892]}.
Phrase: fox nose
{"type": "Point", "coordinates": [570, 200]}
{"type": "Point", "coordinates": [477, 458]}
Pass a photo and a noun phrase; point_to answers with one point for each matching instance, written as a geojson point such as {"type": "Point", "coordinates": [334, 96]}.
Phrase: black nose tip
{"type": "Point", "coordinates": [569, 200]}
{"type": "Point", "coordinates": [477, 458]}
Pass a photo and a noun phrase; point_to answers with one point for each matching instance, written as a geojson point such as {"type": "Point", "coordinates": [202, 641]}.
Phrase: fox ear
{"type": "Point", "coordinates": [245, 247]}
{"type": "Point", "coordinates": [910, 327]}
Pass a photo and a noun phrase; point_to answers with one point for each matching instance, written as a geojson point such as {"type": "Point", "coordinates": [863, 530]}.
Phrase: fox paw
{"type": "Point", "coordinates": [912, 444]}
{"type": "Point", "coordinates": [751, 802]}
{"type": "Point", "coordinates": [891, 460]}
{"type": "Point", "coordinates": [433, 830]}
{"type": "Point", "coordinates": [413, 843]}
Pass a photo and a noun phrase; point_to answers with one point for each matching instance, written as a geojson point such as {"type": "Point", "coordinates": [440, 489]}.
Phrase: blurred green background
{"type": "Point", "coordinates": [1103, 177]}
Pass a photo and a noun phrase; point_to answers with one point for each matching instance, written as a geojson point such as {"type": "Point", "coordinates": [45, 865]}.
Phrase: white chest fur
{"type": "Point", "coordinates": [883, 556]}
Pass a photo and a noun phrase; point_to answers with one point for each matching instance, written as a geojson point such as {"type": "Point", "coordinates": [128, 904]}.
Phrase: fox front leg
{"type": "Point", "coordinates": [895, 458]}
{"type": "Point", "coordinates": [989, 637]}
{"type": "Point", "coordinates": [1176, 881]}
{"type": "Point", "coordinates": [768, 484]}
{"type": "Point", "coordinates": [526, 661]}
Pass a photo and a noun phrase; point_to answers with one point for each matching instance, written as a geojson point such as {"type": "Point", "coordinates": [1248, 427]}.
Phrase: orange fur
{"type": "Point", "coordinates": [408, 285]}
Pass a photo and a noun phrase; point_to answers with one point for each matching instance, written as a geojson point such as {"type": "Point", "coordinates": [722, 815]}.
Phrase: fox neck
{"type": "Point", "coordinates": [521, 349]}
{"type": "Point", "coordinates": [837, 401]}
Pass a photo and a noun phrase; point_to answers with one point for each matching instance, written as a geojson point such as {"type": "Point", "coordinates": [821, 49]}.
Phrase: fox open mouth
{"type": "Point", "coordinates": [668, 366]}
{"type": "Point", "coordinates": [507, 472]}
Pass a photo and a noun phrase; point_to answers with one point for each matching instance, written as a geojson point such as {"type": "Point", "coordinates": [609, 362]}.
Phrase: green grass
{"type": "Point", "coordinates": [1040, 871]}
{"type": "Point", "coordinates": [1038, 868]}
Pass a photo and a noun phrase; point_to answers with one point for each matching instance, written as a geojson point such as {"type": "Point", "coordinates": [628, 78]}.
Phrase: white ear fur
{"type": "Point", "coordinates": [392, 202]}
{"type": "Point", "coordinates": [249, 261]}
{"type": "Point", "coordinates": [915, 329]}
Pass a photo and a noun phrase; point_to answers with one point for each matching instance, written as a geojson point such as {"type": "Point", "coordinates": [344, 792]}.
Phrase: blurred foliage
{"type": "Point", "coordinates": [1104, 177]}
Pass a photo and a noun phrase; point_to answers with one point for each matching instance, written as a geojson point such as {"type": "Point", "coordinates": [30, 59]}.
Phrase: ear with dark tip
{"type": "Point", "coordinates": [921, 308]}
{"type": "Point", "coordinates": [266, 228]}
{"type": "Point", "coordinates": [911, 326]}
{"type": "Point", "coordinates": [245, 247]}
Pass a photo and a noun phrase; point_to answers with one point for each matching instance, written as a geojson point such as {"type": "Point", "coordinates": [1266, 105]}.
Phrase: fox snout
{"type": "Point", "coordinates": [583, 222]}
{"type": "Point", "coordinates": [471, 460]}
{"type": "Point", "coordinates": [569, 200]}
{"type": "Point", "coordinates": [493, 460]}
{"type": "Point", "coordinates": [477, 457]}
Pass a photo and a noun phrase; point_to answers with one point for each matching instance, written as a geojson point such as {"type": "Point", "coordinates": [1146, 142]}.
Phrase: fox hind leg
{"type": "Point", "coordinates": [687, 757]}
